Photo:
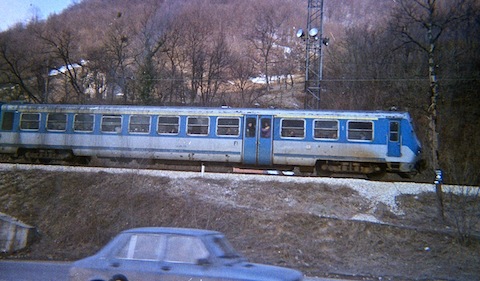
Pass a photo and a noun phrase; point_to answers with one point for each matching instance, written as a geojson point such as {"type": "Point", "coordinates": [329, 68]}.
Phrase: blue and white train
{"type": "Point", "coordinates": [323, 141]}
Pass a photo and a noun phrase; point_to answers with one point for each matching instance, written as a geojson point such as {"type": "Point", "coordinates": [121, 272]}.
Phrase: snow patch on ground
{"type": "Point", "coordinates": [375, 192]}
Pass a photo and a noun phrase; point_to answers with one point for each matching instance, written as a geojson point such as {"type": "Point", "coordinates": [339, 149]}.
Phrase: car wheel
{"type": "Point", "coordinates": [118, 277]}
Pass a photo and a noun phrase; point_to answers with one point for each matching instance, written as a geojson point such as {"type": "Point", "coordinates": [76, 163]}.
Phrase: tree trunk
{"type": "Point", "coordinates": [433, 118]}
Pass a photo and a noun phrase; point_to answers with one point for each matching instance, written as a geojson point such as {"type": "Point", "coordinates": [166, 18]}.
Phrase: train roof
{"type": "Point", "coordinates": [177, 110]}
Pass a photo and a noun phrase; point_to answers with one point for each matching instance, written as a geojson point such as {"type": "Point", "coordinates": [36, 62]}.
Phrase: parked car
{"type": "Point", "coordinates": [159, 253]}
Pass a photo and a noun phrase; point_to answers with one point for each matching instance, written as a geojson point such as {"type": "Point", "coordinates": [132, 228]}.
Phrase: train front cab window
{"type": "Point", "coordinates": [111, 124]}
{"type": "Point", "coordinates": [57, 122]}
{"type": "Point", "coordinates": [228, 126]}
{"type": "Point", "coordinates": [7, 121]}
{"type": "Point", "coordinates": [360, 131]}
{"type": "Point", "coordinates": [326, 129]}
{"type": "Point", "coordinates": [293, 128]}
{"type": "Point", "coordinates": [168, 125]}
{"type": "Point", "coordinates": [83, 122]}
{"type": "Point", "coordinates": [394, 131]}
{"type": "Point", "coordinates": [139, 124]}
{"type": "Point", "coordinates": [394, 145]}
{"type": "Point", "coordinates": [30, 121]}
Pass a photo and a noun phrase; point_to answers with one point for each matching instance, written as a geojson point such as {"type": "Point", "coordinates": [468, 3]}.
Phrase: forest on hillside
{"type": "Point", "coordinates": [421, 56]}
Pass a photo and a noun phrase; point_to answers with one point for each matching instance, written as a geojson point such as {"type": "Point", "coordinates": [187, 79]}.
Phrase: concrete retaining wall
{"type": "Point", "coordinates": [14, 234]}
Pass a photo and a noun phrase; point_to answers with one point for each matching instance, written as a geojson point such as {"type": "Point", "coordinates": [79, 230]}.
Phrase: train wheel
{"type": "Point", "coordinates": [83, 160]}
{"type": "Point", "coordinates": [322, 172]}
{"type": "Point", "coordinates": [44, 160]}
{"type": "Point", "coordinates": [380, 175]}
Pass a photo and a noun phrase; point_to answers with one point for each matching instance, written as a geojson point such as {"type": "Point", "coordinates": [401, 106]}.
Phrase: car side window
{"type": "Point", "coordinates": [143, 247]}
{"type": "Point", "coordinates": [185, 249]}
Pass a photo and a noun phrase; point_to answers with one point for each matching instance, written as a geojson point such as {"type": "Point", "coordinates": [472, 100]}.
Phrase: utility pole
{"type": "Point", "coordinates": [314, 56]}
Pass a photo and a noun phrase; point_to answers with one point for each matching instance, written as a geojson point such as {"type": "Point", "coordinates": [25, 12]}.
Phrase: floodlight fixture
{"type": "Point", "coordinates": [325, 41]}
{"type": "Point", "coordinates": [300, 33]}
{"type": "Point", "coordinates": [313, 32]}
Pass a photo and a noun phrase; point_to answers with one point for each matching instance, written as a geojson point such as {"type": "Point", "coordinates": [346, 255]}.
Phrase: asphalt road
{"type": "Point", "coordinates": [33, 270]}
{"type": "Point", "coordinates": [53, 271]}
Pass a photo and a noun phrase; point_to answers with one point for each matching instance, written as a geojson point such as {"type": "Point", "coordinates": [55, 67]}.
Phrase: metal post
{"type": "Point", "coordinates": [314, 56]}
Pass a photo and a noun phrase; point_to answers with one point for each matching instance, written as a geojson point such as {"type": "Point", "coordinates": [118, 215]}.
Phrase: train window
{"type": "Point", "coordinates": [30, 121]}
{"type": "Point", "coordinates": [139, 124]}
{"type": "Point", "coordinates": [326, 129]}
{"type": "Point", "coordinates": [56, 122]}
{"type": "Point", "coordinates": [266, 130]}
{"type": "Point", "coordinates": [250, 129]}
{"type": "Point", "coordinates": [7, 121]}
{"type": "Point", "coordinates": [228, 126]}
{"type": "Point", "coordinates": [112, 123]}
{"type": "Point", "coordinates": [168, 125]}
{"type": "Point", "coordinates": [197, 126]}
{"type": "Point", "coordinates": [394, 131]}
{"type": "Point", "coordinates": [360, 130]}
{"type": "Point", "coordinates": [83, 123]}
{"type": "Point", "coordinates": [293, 128]}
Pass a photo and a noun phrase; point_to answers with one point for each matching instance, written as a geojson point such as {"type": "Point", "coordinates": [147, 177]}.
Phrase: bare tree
{"type": "Point", "coordinates": [175, 84]}
{"type": "Point", "coordinates": [61, 44]}
{"type": "Point", "coordinates": [242, 69]}
{"type": "Point", "coordinates": [196, 28]}
{"type": "Point", "coordinates": [19, 66]}
{"type": "Point", "coordinates": [116, 57]}
{"type": "Point", "coordinates": [264, 35]}
{"type": "Point", "coordinates": [422, 23]}
{"type": "Point", "coordinates": [218, 58]}
{"type": "Point", "coordinates": [150, 41]}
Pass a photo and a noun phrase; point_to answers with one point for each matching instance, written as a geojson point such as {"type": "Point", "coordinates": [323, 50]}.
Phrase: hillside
{"type": "Point", "coordinates": [206, 52]}
{"type": "Point", "coordinates": [324, 227]}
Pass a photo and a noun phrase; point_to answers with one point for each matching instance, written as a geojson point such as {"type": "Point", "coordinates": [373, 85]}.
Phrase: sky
{"type": "Point", "coordinates": [15, 11]}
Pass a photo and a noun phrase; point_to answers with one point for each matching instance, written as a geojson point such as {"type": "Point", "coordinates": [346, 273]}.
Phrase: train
{"type": "Point", "coordinates": [322, 142]}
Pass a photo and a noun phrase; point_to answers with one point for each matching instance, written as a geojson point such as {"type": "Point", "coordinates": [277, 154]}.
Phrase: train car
{"type": "Point", "coordinates": [324, 141]}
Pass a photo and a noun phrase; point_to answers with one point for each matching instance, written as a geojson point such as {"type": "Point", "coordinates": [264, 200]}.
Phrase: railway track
{"type": "Point", "coordinates": [186, 166]}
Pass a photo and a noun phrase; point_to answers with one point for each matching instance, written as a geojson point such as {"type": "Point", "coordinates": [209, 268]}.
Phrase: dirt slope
{"type": "Point", "coordinates": [304, 225]}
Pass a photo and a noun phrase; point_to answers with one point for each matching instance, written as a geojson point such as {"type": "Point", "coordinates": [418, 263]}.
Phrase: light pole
{"type": "Point", "coordinates": [314, 56]}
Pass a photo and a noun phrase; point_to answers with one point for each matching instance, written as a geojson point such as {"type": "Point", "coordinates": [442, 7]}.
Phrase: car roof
{"type": "Point", "coordinates": [172, 230]}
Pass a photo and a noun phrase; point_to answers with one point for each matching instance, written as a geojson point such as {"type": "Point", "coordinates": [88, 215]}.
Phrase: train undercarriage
{"type": "Point", "coordinates": [323, 168]}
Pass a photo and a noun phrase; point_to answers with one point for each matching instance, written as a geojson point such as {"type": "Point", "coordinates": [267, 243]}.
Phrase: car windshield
{"type": "Point", "coordinates": [223, 249]}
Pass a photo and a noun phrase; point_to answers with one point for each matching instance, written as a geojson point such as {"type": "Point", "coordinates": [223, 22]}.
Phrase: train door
{"type": "Point", "coordinates": [394, 144]}
{"type": "Point", "coordinates": [257, 140]}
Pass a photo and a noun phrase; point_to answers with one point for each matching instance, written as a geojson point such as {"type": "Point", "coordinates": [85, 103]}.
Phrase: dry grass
{"type": "Point", "coordinates": [301, 226]}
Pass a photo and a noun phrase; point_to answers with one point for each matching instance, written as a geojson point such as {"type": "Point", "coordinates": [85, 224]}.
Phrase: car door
{"type": "Point", "coordinates": [139, 258]}
{"type": "Point", "coordinates": [185, 259]}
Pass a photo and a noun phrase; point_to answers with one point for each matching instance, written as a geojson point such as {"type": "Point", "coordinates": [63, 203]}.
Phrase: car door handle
{"type": "Point", "coordinates": [115, 264]}
{"type": "Point", "coordinates": [166, 268]}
